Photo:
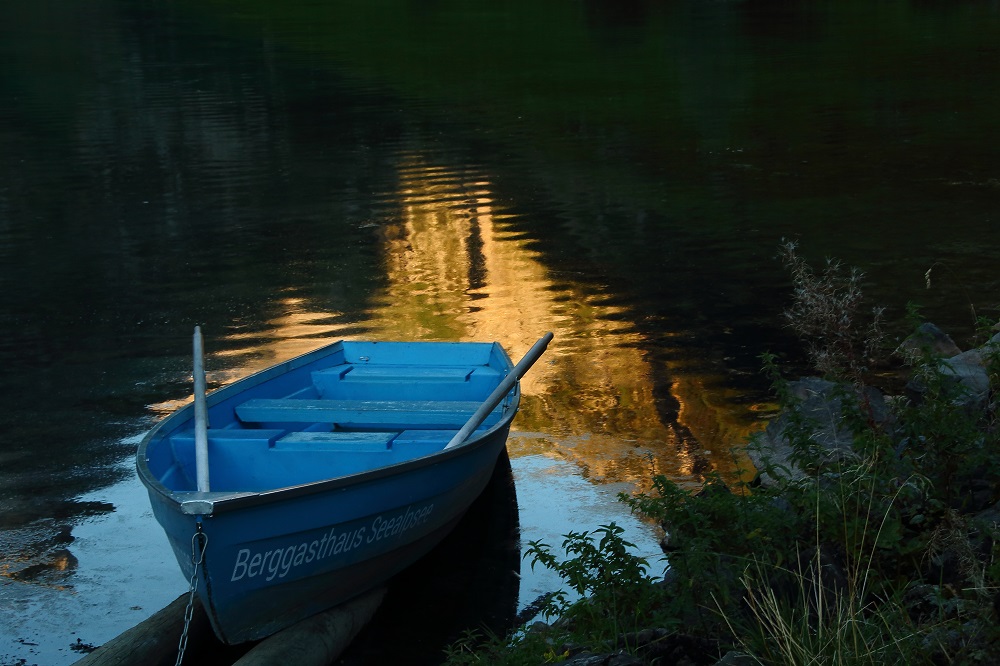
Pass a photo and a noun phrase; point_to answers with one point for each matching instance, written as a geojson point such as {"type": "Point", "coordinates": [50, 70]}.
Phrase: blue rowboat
{"type": "Point", "coordinates": [306, 484]}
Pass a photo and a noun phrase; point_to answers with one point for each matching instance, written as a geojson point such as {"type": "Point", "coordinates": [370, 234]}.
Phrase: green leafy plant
{"type": "Point", "coordinates": [875, 539]}
{"type": "Point", "coordinates": [601, 568]}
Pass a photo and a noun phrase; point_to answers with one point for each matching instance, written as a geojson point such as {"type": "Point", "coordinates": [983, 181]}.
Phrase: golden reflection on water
{"type": "Point", "coordinates": [457, 271]}
{"type": "Point", "coordinates": [296, 331]}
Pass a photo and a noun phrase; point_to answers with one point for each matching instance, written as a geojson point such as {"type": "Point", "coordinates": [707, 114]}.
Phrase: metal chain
{"type": "Point", "coordinates": [199, 542]}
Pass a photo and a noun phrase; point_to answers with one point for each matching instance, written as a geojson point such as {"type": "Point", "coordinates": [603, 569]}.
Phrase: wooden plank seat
{"type": "Point", "coordinates": [405, 413]}
{"type": "Point", "coordinates": [351, 381]}
{"type": "Point", "coordinates": [258, 460]}
{"type": "Point", "coordinates": [397, 373]}
{"type": "Point", "coordinates": [403, 445]}
{"type": "Point", "coordinates": [342, 441]}
{"type": "Point", "coordinates": [230, 437]}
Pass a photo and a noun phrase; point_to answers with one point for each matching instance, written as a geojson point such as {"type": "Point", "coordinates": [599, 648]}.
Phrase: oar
{"type": "Point", "coordinates": [200, 415]}
{"type": "Point", "coordinates": [500, 391]}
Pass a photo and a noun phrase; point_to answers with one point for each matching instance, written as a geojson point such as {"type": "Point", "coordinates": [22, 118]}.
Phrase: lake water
{"type": "Point", "coordinates": [285, 174]}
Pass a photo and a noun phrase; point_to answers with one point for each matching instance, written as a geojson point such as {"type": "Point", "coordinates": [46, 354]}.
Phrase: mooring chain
{"type": "Point", "coordinates": [199, 542]}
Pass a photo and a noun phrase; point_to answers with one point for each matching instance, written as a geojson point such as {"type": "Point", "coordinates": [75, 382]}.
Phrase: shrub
{"type": "Point", "coordinates": [882, 548]}
{"type": "Point", "coordinates": [827, 313]}
{"type": "Point", "coordinates": [887, 551]}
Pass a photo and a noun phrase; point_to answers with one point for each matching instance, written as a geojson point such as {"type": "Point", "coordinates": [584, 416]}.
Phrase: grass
{"type": "Point", "coordinates": [820, 625]}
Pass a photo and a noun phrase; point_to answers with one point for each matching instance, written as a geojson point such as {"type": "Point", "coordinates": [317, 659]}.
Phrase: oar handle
{"type": "Point", "coordinates": [501, 391]}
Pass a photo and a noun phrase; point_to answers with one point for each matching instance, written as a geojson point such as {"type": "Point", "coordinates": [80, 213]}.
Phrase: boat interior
{"type": "Point", "coordinates": [350, 418]}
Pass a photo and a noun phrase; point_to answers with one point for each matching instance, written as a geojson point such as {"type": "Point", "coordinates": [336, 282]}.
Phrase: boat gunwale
{"type": "Point", "coordinates": [210, 503]}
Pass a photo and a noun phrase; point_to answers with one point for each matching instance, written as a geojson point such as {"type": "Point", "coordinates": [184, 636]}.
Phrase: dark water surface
{"type": "Point", "coordinates": [284, 174]}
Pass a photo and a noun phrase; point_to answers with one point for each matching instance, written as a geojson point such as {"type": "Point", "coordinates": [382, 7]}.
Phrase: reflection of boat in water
{"type": "Point", "coordinates": [471, 580]}
{"type": "Point", "coordinates": [329, 473]}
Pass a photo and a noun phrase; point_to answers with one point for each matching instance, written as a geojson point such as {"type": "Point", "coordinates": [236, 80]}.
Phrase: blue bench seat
{"type": "Point", "coordinates": [441, 414]}
{"type": "Point", "coordinates": [358, 381]}
{"type": "Point", "coordinates": [340, 441]}
{"type": "Point", "coordinates": [258, 460]}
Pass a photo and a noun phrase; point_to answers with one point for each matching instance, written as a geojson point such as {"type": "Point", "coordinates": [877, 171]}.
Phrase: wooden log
{"type": "Point", "coordinates": [316, 640]}
{"type": "Point", "coordinates": [154, 640]}
{"type": "Point", "coordinates": [319, 639]}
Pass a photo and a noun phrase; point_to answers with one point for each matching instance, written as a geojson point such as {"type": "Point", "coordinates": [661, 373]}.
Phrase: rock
{"type": "Point", "coordinates": [820, 409]}
{"type": "Point", "coordinates": [969, 370]}
{"type": "Point", "coordinates": [644, 638]}
{"type": "Point", "coordinates": [930, 339]}
{"type": "Point", "coordinates": [966, 374]}
{"type": "Point", "coordinates": [539, 627]}
{"type": "Point", "coordinates": [617, 659]}
{"type": "Point", "coordinates": [991, 350]}
{"type": "Point", "coordinates": [732, 658]}
{"type": "Point", "coordinates": [988, 517]}
{"type": "Point", "coordinates": [977, 496]}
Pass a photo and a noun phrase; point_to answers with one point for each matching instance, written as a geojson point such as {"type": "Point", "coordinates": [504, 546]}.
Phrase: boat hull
{"type": "Point", "coordinates": [274, 556]}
